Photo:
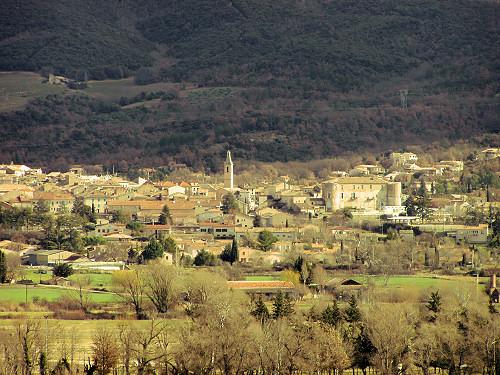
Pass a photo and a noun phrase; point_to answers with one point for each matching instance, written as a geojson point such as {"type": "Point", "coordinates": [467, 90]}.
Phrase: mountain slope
{"type": "Point", "coordinates": [337, 44]}
{"type": "Point", "coordinates": [272, 79]}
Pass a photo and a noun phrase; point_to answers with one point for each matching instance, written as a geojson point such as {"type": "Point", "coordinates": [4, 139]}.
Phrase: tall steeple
{"type": "Point", "coordinates": [228, 172]}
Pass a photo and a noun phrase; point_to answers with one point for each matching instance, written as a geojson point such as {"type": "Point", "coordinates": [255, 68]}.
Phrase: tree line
{"type": "Point", "coordinates": [229, 333]}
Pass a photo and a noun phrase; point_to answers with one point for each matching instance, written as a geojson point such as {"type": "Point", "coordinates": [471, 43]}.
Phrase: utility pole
{"type": "Point", "coordinates": [403, 95]}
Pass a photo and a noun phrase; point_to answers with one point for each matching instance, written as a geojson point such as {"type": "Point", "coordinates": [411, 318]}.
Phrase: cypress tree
{"type": "Point", "coordinates": [352, 312]}
{"type": "Point", "coordinates": [282, 306]}
{"type": "Point", "coordinates": [260, 311]}
{"type": "Point", "coordinates": [434, 305]}
{"type": "Point", "coordinates": [234, 251]}
{"type": "Point", "coordinates": [42, 364]}
{"type": "Point", "coordinates": [3, 268]}
{"type": "Point", "coordinates": [363, 351]}
{"type": "Point", "coordinates": [332, 315]}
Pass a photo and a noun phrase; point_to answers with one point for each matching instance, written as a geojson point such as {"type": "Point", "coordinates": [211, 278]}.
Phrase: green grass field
{"type": "Point", "coordinates": [17, 294]}
{"type": "Point", "coordinates": [97, 280]}
{"type": "Point", "coordinates": [17, 88]}
{"type": "Point", "coordinates": [113, 90]}
{"type": "Point", "coordinates": [262, 277]}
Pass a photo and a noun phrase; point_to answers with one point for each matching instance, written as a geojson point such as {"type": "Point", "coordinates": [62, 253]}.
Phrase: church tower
{"type": "Point", "coordinates": [228, 172]}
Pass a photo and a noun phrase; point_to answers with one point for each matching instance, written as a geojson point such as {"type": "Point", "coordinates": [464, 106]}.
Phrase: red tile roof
{"type": "Point", "coordinates": [273, 284]}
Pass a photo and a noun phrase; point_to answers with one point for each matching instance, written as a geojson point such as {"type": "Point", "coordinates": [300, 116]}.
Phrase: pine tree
{"type": "Point", "coordinates": [363, 351]}
{"type": "Point", "coordinates": [3, 268]}
{"type": "Point", "coordinates": [165, 217]}
{"type": "Point", "coordinates": [282, 306]}
{"type": "Point", "coordinates": [352, 312]}
{"type": "Point", "coordinates": [434, 305]}
{"type": "Point", "coordinates": [169, 245]}
{"type": "Point", "coordinates": [154, 249]}
{"type": "Point", "coordinates": [332, 315]}
{"type": "Point", "coordinates": [260, 311]}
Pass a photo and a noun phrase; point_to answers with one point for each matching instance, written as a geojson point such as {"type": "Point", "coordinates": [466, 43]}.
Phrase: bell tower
{"type": "Point", "coordinates": [228, 172]}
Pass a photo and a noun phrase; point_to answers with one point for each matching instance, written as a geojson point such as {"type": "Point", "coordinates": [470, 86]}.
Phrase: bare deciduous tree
{"type": "Point", "coordinates": [104, 352]}
{"type": "Point", "coordinates": [130, 286]}
{"type": "Point", "coordinates": [162, 286]}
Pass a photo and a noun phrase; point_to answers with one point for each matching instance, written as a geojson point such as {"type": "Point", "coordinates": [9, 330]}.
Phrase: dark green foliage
{"type": "Point", "coordinates": [418, 205]}
{"type": "Point", "coordinates": [118, 217]}
{"type": "Point", "coordinates": [42, 364]}
{"type": "Point", "coordinates": [329, 44]}
{"type": "Point", "coordinates": [135, 227]}
{"type": "Point", "coordinates": [434, 305]}
{"type": "Point", "coordinates": [62, 270]}
{"type": "Point", "coordinates": [82, 40]}
{"type": "Point", "coordinates": [266, 240]}
{"type": "Point", "coordinates": [332, 315]}
{"type": "Point", "coordinates": [3, 268]}
{"type": "Point", "coordinates": [62, 232]}
{"type": "Point", "coordinates": [132, 255]}
{"type": "Point", "coordinates": [282, 306]}
{"type": "Point", "coordinates": [230, 253]}
{"type": "Point", "coordinates": [154, 249]}
{"type": "Point", "coordinates": [144, 76]}
{"type": "Point", "coordinates": [204, 258]}
{"type": "Point", "coordinates": [229, 203]}
{"type": "Point", "coordinates": [169, 245]}
{"type": "Point", "coordinates": [352, 313]}
{"type": "Point", "coordinates": [304, 269]}
{"type": "Point", "coordinates": [363, 350]}
{"type": "Point", "coordinates": [304, 54]}
{"type": "Point", "coordinates": [260, 311]}
{"type": "Point", "coordinates": [93, 240]}
{"type": "Point", "coordinates": [58, 129]}
{"type": "Point", "coordinates": [85, 212]}
{"type": "Point", "coordinates": [165, 217]}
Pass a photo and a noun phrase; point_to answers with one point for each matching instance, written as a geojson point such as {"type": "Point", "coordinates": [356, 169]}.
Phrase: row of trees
{"type": "Point", "coordinates": [228, 334]}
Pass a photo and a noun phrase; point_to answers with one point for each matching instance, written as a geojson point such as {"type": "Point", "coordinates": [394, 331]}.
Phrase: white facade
{"type": "Point", "coordinates": [228, 172]}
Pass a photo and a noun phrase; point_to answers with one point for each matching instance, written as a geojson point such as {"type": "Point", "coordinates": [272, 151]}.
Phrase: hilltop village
{"type": "Point", "coordinates": [107, 221]}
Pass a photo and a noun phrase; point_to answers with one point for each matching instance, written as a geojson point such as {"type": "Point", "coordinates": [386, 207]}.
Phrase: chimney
{"type": "Point", "coordinates": [493, 281]}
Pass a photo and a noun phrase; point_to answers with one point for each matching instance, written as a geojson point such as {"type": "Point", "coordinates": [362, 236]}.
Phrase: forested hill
{"type": "Point", "coordinates": [272, 79]}
{"type": "Point", "coordinates": [337, 44]}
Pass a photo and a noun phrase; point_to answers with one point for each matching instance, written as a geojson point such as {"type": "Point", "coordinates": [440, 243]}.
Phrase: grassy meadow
{"type": "Point", "coordinates": [18, 88]}
{"type": "Point", "coordinates": [21, 293]}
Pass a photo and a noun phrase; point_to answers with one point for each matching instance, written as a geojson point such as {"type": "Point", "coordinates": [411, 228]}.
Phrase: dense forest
{"type": "Point", "coordinates": [326, 45]}
{"type": "Point", "coordinates": [306, 79]}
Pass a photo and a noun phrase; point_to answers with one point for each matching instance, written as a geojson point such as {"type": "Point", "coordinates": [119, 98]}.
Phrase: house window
{"type": "Point", "coordinates": [341, 195]}
{"type": "Point", "coordinates": [353, 196]}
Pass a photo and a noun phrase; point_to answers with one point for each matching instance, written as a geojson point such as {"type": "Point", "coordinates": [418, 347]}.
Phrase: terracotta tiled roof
{"type": "Point", "coordinates": [154, 205]}
{"type": "Point", "coordinates": [46, 195]}
{"type": "Point", "coordinates": [260, 284]}
{"type": "Point", "coordinates": [15, 187]}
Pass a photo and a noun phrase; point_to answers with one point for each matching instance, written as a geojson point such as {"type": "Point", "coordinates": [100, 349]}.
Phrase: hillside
{"type": "Point", "coordinates": [331, 44]}
{"type": "Point", "coordinates": [273, 80]}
